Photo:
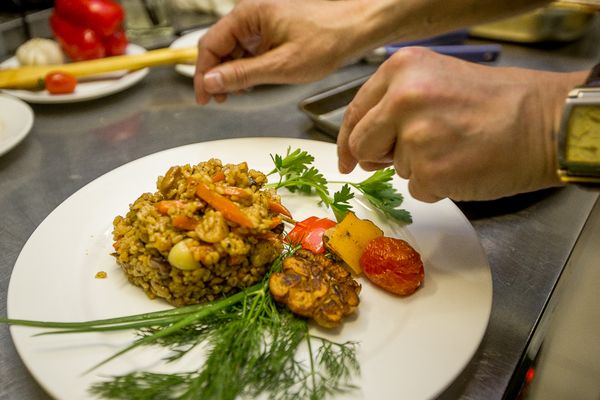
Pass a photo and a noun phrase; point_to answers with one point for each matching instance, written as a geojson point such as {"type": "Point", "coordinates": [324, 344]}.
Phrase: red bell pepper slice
{"type": "Point", "coordinates": [309, 233]}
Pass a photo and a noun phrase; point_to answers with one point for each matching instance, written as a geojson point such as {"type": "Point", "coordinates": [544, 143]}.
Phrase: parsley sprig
{"type": "Point", "coordinates": [297, 174]}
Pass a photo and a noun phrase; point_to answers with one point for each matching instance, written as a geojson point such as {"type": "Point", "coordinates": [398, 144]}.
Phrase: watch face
{"type": "Point", "coordinates": [583, 135]}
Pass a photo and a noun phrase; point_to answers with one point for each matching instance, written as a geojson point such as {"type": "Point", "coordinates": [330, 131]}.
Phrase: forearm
{"type": "Point", "coordinates": [386, 21]}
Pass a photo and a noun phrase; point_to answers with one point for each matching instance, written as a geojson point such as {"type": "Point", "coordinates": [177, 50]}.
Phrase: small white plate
{"type": "Point", "coordinates": [188, 40]}
{"type": "Point", "coordinates": [85, 90]}
{"type": "Point", "coordinates": [16, 120]}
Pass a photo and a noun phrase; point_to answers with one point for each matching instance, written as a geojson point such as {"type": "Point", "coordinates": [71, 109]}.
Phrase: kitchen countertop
{"type": "Point", "coordinates": [527, 238]}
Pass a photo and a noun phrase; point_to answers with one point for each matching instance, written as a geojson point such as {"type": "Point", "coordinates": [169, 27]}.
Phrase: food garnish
{"type": "Point", "coordinates": [349, 239]}
{"type": "Point", "coordinates": [393, 264]}
{"type": "Point", "coordinates": [309, 233]}
{"type": "Point", "coordinates": [251, 350]}
{"type": "Point", "coordinates": [250, 340]}
{"type": "Point", "coordinates": [298, 175]}
{"type": "Point", "coordinates": [317, 287]}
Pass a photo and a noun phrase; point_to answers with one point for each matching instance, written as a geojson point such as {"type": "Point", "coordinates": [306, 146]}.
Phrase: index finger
{"type": "Point", "coordinates": [367, 97]}
{"type": "Point", "coordinates": [218, 42]}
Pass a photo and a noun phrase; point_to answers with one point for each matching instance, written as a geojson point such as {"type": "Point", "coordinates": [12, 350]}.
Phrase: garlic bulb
{"type": "Point", "coordinates": [40, 51]}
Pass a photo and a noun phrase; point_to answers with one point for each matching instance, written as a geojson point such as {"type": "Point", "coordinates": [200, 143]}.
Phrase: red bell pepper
{"type": "Point", "coordinates": [102, 16]}
{"type": "Point", "coordinates": [309, 233]}
{"type": "Point", "coordinates": [88, 29]}
{"type": "Point", "coordinates": [115, 43]}
{"type": "Point", "coordinates": [77, 42]}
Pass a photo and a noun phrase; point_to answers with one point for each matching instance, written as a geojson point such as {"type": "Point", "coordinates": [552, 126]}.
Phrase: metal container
{"type": "Point", "coordinates": [326, 109]}
{"type": "Point", "coordinates": [555, 23]}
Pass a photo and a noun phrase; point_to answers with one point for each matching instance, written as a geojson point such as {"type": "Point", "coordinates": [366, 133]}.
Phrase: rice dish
{"type": "Point", "coordinates": [208, 231]}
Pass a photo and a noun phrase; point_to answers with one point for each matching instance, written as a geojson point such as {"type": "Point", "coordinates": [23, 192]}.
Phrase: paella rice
{"type": "Point", "coordinates": [208, 231]}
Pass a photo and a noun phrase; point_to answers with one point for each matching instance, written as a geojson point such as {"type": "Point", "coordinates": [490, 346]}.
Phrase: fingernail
{"type": "Point", "coordinates": [344, 168]}
{"type": "Point", "coordinates": [213, 82]}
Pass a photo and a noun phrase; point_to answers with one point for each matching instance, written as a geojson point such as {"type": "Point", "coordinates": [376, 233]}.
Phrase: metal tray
{"type": "Point", "coordinates": [326, 109]}
{"type": "Point", "coordinates": [555, 23]}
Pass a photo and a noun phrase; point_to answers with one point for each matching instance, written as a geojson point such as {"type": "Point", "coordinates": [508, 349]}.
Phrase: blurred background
{"type": "Point", "coordinates": [156, 23]}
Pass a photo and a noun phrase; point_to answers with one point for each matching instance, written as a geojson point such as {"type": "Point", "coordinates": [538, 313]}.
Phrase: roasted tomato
{"type": "Point", "coordinates": [60, 82]}
{"type": "Point", "coordinates": [309, 233]}
{"type": "Point", "coordinates": [393, 265]}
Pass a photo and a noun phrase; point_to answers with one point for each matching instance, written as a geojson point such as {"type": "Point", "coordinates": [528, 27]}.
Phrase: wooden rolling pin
{"type": "Point", "coordinates": [32, 77]}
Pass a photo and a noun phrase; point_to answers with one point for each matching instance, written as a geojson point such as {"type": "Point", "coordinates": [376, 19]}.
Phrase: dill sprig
{"type": "Point", "coordinates": [251, 349]}
{"type": "Point", "coordinates": [296, 173]}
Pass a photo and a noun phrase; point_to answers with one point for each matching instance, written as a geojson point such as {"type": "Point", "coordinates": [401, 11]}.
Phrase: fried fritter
{"type": "Point", "coordinates": [314, 286]}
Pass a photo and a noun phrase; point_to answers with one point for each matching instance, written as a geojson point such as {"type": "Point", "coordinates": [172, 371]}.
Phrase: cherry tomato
{"type": "Point", "coordinates": [393, 265]}
{"type": "Point", "coordinates": [60, 82]}
{"type": "Point", "coordinates": [309, 233]}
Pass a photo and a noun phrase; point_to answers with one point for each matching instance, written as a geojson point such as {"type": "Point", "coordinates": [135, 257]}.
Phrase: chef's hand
{"type": "Point", "coordinates": [456, 129]}
{"type": "Point", "coordinates": [275, 41]}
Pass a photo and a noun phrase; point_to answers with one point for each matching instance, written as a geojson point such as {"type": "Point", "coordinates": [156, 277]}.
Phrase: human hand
{"type": "Point", "coordinates": [275, 41]}
{"type": "Point", "coordinates": [456, 129]}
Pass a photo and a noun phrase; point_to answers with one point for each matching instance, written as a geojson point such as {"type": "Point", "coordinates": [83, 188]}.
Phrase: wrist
{"type": "Point", "coordinates": [387, 21]}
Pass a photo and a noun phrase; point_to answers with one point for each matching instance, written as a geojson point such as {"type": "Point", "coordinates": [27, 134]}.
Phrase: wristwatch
{"type": "Point", "coordinates": [579, 134]}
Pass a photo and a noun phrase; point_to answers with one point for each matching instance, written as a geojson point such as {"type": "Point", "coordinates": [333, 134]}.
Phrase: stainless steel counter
{"type": "Point", "coordinates": [527, 238]}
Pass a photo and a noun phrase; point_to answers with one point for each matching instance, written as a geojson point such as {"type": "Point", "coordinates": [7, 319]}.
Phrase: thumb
{"type": "Point", "coordinates": [243, 73]}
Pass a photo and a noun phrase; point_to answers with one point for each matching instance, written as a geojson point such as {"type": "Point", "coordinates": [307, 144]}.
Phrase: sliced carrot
{"type": "Point", "coordinates": [184, 222]}
{"type": "Point", "coordinates": [279, 208]}
{"type": "Point", "coordinates": [275, 222]}
{"type": "Point", "coordinates": [228, 208]}
{"type": "Point", "coordinates": [219, 176]}
{"type": "Point", "coordinates": [235, 260]}
{"type": "Point", "coordinates": [268, 236]}
{"type": "Point", "coordinates": [235, 191]}
{"type": "Point", "coordinates": [164, 205]}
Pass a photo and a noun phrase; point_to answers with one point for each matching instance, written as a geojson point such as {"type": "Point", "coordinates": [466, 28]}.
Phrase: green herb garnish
{"type": "Point", "coordinates": [296, 173]}
{"type": "Point", "coordinates": [252, 345]}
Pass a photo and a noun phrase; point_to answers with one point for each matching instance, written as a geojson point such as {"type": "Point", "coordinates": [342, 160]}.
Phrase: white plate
{"type": "Point", "coordinates": [187, 40]}
{"type": "Point", "coordinates": [86, 89]}
{"type": "Point", "coordinates": [410, 348]}
{"type": "Point", "coordinates": [16, 120]}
